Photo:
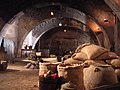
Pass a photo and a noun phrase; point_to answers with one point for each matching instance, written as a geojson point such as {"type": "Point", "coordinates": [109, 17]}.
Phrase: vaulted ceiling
{"type": "Point", "coordinates": [99, 11]}
{"type": "Point", "coordinates": [8, 8]}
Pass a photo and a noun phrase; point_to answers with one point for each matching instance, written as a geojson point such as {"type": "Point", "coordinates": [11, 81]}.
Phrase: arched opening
{"type": "Point", "coordinates": [60, 41]}
{"type": "Point", "coordinates": [38, 27]}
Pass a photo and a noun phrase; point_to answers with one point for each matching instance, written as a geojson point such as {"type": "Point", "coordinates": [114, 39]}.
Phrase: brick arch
{"type": "Point", "coordinates": [65, 11]}
{"type": "Point", "coordinates": [45, 26]}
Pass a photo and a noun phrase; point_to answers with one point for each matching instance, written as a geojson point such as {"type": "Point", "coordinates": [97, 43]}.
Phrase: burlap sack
{"type": "Point", "coordinates": [87, 63]}
{"type": "Point", "coordinates": [108, 61]}
{"type": "Point", "coordinates": [45, 67]}
{"type": "Point", "coordinates": [107, 55]}
{"type": "Point", "coordinates": [95, 76]}
{"type": "Point", "coordinates": [92, 51]}
{"type": "Point", "coordinates": [115, 62]}
{"type": "Point", "coordinates": [117, 71]}
{"type": "Point", "coordinates": [66, 57]}
{"type": "Point", "coordinates": [72, 61]}
{"type": "Point", "coordinates": [68, 86]}
{"type": "Point", "coordinates": [80, 56]}
{"type": "Point", "coordinates": [73, 74]}
{"type": "Point", "coordinates": [81, 46]}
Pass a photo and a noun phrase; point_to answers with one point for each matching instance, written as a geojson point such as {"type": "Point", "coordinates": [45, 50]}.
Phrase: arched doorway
{"type": "Point", "coordinates": [38, 22]}
{"type": "Point", "coordinates": [62, 40]}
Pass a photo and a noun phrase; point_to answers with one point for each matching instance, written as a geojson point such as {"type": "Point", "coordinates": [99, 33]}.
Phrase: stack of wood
{"type": "Point", "coordinates": [101, 67]}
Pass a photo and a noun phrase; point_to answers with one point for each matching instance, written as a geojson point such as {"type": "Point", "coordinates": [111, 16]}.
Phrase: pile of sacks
{"type": "Point", "coordinates": [97, 62]}
{"type": "Point", "coordinates": [88, 54]}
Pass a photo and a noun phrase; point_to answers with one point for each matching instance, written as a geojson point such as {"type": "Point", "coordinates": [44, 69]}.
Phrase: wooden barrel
{"type": "Point", "coordinates": [95, 76]}
{"type": "Point", "coordinates": [73, 74]}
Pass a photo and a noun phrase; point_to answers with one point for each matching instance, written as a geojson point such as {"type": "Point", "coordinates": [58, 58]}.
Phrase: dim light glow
{"type": "Point", "coordinates": [98, 28]}
{"type": "Point", "coordinates": [60, 24]}
{"type": "Point", "coordinates": [105, 20]}
{"type": "Point", "coordinates": [65, 30]}
{"type": "Point", "coordinates": [38, 53]}
{"type": "Point", "coordinates": [52, 13]}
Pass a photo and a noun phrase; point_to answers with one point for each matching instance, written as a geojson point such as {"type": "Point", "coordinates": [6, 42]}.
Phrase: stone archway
{"type": "Point", "coordinates": [42, 28]}
{"type": "Point", "coordinates": [61, 40]}
{"type": "Point", "coordinates": [31, 18]}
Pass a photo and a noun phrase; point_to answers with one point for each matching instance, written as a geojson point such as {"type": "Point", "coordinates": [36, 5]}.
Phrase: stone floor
{"type": "Point", "coordinates": [17, 77]}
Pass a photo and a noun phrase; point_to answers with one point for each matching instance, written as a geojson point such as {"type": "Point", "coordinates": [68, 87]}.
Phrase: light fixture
{"type": "Point", "coordinates": [65, 30]}
{"type": "Point", "coordinates": [60, 24]}
{"type": "Point", "coordinates": [98, 28]}
{"type": "Point", "coordinates": [52, 13]}
{"type": "Point", "coordinates": [38, 54]}
{"type": "Point", "coordinates": [105, 20]}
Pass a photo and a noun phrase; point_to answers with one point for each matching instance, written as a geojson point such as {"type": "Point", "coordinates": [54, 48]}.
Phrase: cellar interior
{"type": "Point", "coordinates": [59, 43]}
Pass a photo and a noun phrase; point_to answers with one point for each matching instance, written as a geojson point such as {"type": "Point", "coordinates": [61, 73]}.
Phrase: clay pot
{"type": "Point", "coordinates": [95, 76]}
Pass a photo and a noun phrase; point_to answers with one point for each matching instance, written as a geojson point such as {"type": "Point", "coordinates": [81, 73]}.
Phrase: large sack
{"type": "Point", "coordinates": [3, 56]}
{"type": "Point", "coordinates": [92, 51]}
{"type": "Point", "coordinates": [66, 57]}
{"type": "Point", "coordinates": [73, 74]}
{"type": "Point", "coordinates": [95, 76]}
{"type": "Point", "coordinates": [46, 67]}
{"type": "Point", "coordinates": [72, 61]}
{"type": "Point", "coordinates": [68, 86]}
{"type": "Point", "coordinates": [117, 71]}
{"type": "Point", "coordinates": [107, 55]}
{"type": "Point", "coordinates": [87, 63]}
{"type": "Point", "coordinates": [81, 46]}
{"type": "Point", "coordinates": [80, 56]}
{"type": "Point", "coordinates": [115, 63]}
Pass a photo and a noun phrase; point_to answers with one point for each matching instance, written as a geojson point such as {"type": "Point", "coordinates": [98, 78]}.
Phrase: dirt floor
{"type": "Point", "coordinates": [17, 77]}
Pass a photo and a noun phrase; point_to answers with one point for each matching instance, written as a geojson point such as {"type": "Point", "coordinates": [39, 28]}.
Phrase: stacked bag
{"type": "Point", "coordinates": [91, 53]}
{"type": "Point", "coordinates": [101, 67]}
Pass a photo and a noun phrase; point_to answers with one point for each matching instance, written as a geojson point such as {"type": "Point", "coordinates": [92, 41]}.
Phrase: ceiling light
{"type": "Point", "coordinates": [60, 24]}
{"type": "Point", "coordinates": [65, 30]}
{"type": "Point", "coordinates": [52, 13]}
{"type": "Point", "coordinates": [98, 28]}
{"type": "Point", "coordinates": [105, 20]}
